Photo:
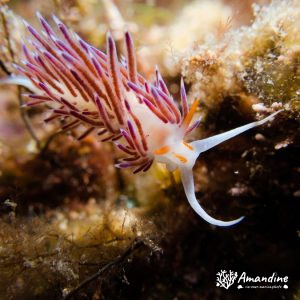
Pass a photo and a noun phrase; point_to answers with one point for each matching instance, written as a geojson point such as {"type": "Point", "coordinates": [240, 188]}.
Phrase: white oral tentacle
{"type": "Point", "coordinates": [208, 143]}
{"type": "Point", "coordinates": [204, 145]}
{"type": "Point", "coordinates": [188, 184]}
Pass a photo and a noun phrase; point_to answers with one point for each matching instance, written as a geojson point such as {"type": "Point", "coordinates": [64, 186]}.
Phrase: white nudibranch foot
{"type": "Point", "coordinates": [201, 146]}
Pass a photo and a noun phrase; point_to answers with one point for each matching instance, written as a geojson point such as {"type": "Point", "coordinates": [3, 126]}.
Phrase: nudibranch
{"type": "Point", "coordinates": [85, 86]}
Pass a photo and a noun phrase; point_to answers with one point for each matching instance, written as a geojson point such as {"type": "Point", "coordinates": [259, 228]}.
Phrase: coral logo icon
{"type": "Point", "coordinates": [226, 279]}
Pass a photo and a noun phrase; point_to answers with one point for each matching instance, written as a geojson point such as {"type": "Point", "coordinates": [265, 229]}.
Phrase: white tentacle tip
{"type": "Point", "coordinates": [39, 15]}
{"type": "Point", "coordinates": [225, 223]}
{"type": "Point", "coordinates": [25, 23]}
{"type": "Point", "coordinates": [56, 20]}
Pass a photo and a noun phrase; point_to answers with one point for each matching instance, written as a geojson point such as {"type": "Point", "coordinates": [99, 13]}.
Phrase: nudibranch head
{"type": "Point", "coordinates": [176, 152]}
{"type": "Point", "coordinates": [84, 86]}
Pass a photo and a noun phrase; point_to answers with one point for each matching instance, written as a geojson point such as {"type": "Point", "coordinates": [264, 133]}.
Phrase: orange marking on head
{"type": "Point", "coordinates": [187, 120]}
{"type": "Point", "coordinates": [180, 157]}
{"type": "Point", "coordinates": [162, 150]}
{"type": "Point", "coordinates": [188, 145]}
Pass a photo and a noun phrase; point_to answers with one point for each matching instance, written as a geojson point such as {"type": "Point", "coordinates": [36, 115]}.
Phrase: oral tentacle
{"type": "Point", "coordinates": [208, 143]}
{"type": "Point", "coordinates": [189, 188]}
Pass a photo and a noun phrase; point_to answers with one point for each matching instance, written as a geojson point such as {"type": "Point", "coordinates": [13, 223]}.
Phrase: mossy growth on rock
{"type": "Point", "coordinates": [257, 63]}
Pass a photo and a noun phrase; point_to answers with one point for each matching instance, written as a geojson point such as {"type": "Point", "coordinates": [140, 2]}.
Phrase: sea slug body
{"type": "Point", "coordinates": [83, 85]}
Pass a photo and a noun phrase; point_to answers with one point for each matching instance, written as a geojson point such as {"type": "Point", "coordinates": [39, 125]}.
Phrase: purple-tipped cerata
{"type": "Point", "coordinates": [85, 86]}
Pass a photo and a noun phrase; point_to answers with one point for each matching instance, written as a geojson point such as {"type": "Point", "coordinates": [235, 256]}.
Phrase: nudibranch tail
{"type": "Point", "coordinates": [189, 188]}
{"type": "Point", "coordinates": [18, 80]}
